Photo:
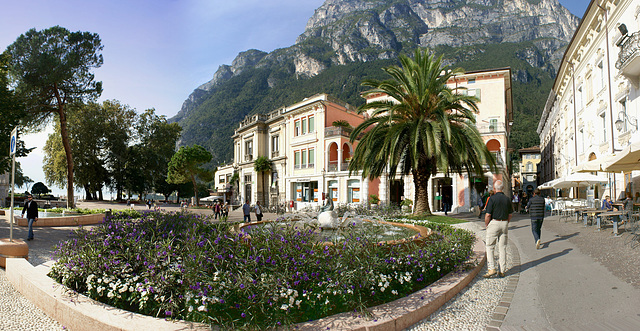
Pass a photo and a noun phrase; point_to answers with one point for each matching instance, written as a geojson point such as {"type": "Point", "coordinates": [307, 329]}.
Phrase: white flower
{"type": "Point", "coordinates": [284, 307]}
{"type": "Point", "coordinates": [202, 308]}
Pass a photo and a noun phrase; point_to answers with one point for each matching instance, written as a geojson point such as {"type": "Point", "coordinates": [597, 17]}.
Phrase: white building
{"type": "Point", "coordinates": [592, 109]}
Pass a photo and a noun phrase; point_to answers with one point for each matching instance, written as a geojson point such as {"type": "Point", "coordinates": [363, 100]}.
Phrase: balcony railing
{"type": "Point", "coordinates": [333, 166]}
{"type": "Point", "coordinates": [248, 157]}
{"type": "Point", "coordinates": [491, 128]}
{"type": "Point", "coordinates": [275, 154]}
{"type": "Point", "coordinates": [333, 131]}
{"type": "Point", "coordinates": [629, 55]}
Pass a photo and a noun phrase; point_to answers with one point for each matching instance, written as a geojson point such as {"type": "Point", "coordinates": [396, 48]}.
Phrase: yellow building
{"type": "Point", "coordinates": [529, 160]}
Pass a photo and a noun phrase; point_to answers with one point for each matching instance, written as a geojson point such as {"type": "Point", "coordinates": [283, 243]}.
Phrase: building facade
{"type": "Point", "coordinates": [529, 160]}
{"type": "Point", "coordinates": [592, 110]}
{"type": "Point", "coordinates": [308, 143]}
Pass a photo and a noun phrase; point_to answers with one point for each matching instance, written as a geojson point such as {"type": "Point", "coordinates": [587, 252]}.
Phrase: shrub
{"type": "Point", "coordinates": [182, 266]}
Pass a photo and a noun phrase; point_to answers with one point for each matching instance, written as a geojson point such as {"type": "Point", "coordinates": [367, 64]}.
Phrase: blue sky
{"type": "Point", "coordinates": [156, 52]}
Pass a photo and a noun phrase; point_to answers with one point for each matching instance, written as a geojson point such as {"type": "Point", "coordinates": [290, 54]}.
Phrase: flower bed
{"type": "Point", "coordinates": [183, 266]}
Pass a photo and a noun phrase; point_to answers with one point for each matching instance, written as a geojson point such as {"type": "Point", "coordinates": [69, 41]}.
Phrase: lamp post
{"type": "Point", "coordinates": [622, 120]}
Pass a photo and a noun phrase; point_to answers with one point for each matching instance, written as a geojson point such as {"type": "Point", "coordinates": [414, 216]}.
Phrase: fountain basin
{"type": "Point", "coordinates": [388, 233]}
{"type": "Point", "coordinates": [70, 220]}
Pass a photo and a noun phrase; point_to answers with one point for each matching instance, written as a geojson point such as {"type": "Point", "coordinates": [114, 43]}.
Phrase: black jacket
{"type": "Point", "coordinates": [31, 207]}
{"type": "Point", "coordinates": [536, 207]}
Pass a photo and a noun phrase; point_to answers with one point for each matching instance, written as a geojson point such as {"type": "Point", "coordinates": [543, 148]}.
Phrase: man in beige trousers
{"type": "Point", "coordinates": [498, 214]}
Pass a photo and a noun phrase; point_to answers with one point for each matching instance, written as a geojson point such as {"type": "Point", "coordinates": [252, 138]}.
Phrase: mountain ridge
{"type": "Point", "coordinates": [343, 32]}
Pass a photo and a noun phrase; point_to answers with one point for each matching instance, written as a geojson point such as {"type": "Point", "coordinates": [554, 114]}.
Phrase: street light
{"type": "Point", "coordinates": [622, 117]}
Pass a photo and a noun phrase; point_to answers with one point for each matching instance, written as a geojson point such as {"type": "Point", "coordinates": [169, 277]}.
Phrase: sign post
{"type": "Point", "coordinates": [13, 144]}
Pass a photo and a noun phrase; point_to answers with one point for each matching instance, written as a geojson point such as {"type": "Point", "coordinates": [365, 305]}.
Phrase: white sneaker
{"type": "Point", "coordinates": [538, 244]}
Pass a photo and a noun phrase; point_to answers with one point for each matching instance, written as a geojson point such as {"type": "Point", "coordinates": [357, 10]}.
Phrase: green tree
{"type": "Point", "coordinates": [12, 112]}
{"type": "Point", "coordinates": [186, 165]}
{"type": "Point", "coordinates": [50, 69]}
{"type": "Point", "coordinates": [427, 127]}
{"type": "Point", "coordinates": [39, 189]}
{"type": "Point", "coordinates": [263, 166]}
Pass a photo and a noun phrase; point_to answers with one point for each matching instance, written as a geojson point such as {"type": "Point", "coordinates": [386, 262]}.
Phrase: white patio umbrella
{"type": "Point", "coordinates": [626, 160]}
{"type": "Point", "coordinates": [580, 180]}
{"type": "Point", "coordinates": [549, 184]}
{"type": "Point", "coordinates": [596, 165]}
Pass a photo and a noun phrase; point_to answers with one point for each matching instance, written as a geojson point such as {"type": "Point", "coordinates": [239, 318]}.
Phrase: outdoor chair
{"type": "Point", "coordinates": [558, 207]}
{"type": "Point", "coordinates": [633, 239]}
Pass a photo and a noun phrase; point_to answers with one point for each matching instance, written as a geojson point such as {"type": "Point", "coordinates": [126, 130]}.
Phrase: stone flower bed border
{"type": "Point", "coordinates": [71, 220]}
{"type": "Point", "coordinates": [78, 312]}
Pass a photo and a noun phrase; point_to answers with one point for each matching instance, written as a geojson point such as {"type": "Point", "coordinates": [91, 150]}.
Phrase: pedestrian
{"type": "Point", "coordinates": [246, 210]}
{"type": "Point", "coordinates": [498, 214]}
{"type": "Point", "coordinates": [31, 208]}
{"type": "Point", "coordinates": [216, 209]}
{"type": "Point", "coordinates": [225, 210]}
{"type": "Point", "coordinates": [536, 208]}
{"type": "Point", "coordinates": [258, 211]}
{"type": "Point", "coordinates": [446, 202]}
{"type": "Point", "coordinates": [516, 202]}
{"type": "Point", "coordinates": [524, 200]}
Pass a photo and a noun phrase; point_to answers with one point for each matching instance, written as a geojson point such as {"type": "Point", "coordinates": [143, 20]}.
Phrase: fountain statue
{"type": "Point", "coordinates": [327, 217]}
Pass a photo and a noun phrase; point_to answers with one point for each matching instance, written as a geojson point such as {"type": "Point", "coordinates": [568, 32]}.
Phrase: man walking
{"type": "Point", "coordinates": [246, 210]}
{"type": "Point", "coordinates": [536, 206]}
{"type": "Point", "coordinates": [31, 208]}
{"type": "Point", "coordinates": [498, 214]}
{"type": "Point", "coordinates": [258, 211]}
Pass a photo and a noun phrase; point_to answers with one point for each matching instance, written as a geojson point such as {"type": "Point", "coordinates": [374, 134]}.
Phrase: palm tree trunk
{"type": "Point", "coordinates": [421, 177]}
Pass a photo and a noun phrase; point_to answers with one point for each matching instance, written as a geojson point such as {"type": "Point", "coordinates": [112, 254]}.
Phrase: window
{"type": "Point", "coordinates": [623, 110]}
{"type": "Point", "coordinates": [493, 125]}
{"type": "Point", "coordinates": [248, 150]}
{"type": "Point", "coordinates": [304, 158]}
{"type": "Point", "coordinates": [581, 142]}
{"type": "Point", "coordinates": [312, 158]}
{"type": "Point", "coordinates": [275, 146]}
{"type": "Point", "coordinates": [333, 190]}
{"type": "Point", "coordinates": [304, 126]}
{"type": "Point", "coordinates": [306, 192]}
{"type": "Point", "coordinates": [297, 128]}
{"type": "Point", "coordinates": [579, 98]}
{"type": "Point", "coordinates": [529, 167]}
{"type": "Point", "coordinates": [472, 80]}
{"type": "Point", "coordinates": [353, 191]}
{"type": "Point", "coordinates": [221, 179]}
{"type": "Point", "coordinates": [603, 123]}
{"type": "Point", "coordinates": [600, 76]}
{"type": "Point", "coordinates": [247, 179]}
{"type": "Point", "coordinates": [296, 159]}
{"type": "Point", "coordinates": [311, 125]}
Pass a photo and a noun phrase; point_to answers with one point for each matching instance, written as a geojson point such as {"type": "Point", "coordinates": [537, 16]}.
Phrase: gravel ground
{"type": "Point", "coordinates": [471, 309]}
{"type": "Point", "coordinates": [616, 254]}
{"type": "Point", "coordinates": [19, 313]}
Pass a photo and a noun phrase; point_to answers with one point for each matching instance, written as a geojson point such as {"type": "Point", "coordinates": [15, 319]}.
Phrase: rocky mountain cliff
{"type": "Point", "coordinates": [354, 31]}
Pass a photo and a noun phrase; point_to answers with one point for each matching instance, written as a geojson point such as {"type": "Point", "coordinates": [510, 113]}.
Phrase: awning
{"type": "Point", "coordinates": [626, 160]}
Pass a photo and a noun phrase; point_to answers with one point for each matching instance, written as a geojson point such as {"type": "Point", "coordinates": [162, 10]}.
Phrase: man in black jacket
{"type": "Point", "coordinates": [31, 208]}
{"type": "Point", "coordinates": [535, 206]}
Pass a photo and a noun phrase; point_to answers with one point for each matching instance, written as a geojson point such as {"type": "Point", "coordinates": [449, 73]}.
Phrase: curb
{"type": "Point", "coordinates": [78, 312]}
{"type": "Point", "coordinates": [500, 313]}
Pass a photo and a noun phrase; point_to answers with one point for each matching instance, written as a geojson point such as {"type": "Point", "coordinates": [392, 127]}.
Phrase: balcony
{"type": "Point", "coordinates": [333, 166]}
{"type": "Point", "coordinates": [498, 127]}
{"type": "Point", "coordinates": [334, 131]}
{"type": "Point", "coordinates": [275, 154]}
{"type": "Point", "coordinates": [248, 158]}
{"type": "Point", "coordinates": [629, 58]}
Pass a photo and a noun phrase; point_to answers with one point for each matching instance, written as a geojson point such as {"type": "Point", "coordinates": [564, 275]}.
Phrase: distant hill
{"type": "Point", "coordinates": [348, 40]}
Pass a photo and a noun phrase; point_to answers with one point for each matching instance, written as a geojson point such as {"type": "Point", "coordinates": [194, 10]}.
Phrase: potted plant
{"type": "Point", "coordinates": [374, 200]}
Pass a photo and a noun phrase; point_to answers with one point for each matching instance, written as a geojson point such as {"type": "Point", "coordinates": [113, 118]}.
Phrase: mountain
{"type": "Point", "coordinates": [346, 41]}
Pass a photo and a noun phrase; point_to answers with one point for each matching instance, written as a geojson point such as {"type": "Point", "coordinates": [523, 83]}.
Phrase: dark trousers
{"type": "Point", "coordinates": [247, 218]}
{"type": "Point", "coordinates": [259, 217]}
{"type": "Point", "coordinates": [536, 227]}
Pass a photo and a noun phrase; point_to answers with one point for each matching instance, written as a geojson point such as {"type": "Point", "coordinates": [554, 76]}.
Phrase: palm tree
{"type": "Point", "coordinates": [263, 165]}
{"type": "Point", "coordinates": [427, 126]}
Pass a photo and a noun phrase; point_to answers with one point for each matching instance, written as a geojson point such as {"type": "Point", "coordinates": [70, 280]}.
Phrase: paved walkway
{"type": "Point", "coordinates": [581, 279]}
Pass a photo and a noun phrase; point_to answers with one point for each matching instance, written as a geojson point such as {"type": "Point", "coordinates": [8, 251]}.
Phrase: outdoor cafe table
{"type": "Point", "coordinates": [615, 224]}
{"type": "Point", "coordinates": [584, 211]}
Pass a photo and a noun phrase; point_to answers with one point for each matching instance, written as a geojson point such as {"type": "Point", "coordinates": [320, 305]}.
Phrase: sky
{"type": "Point", "coordinates": [156, 52]}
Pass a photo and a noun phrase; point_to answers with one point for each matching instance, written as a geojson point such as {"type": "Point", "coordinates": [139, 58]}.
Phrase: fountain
{"type": "Point", "coordinates": [328, 227]}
